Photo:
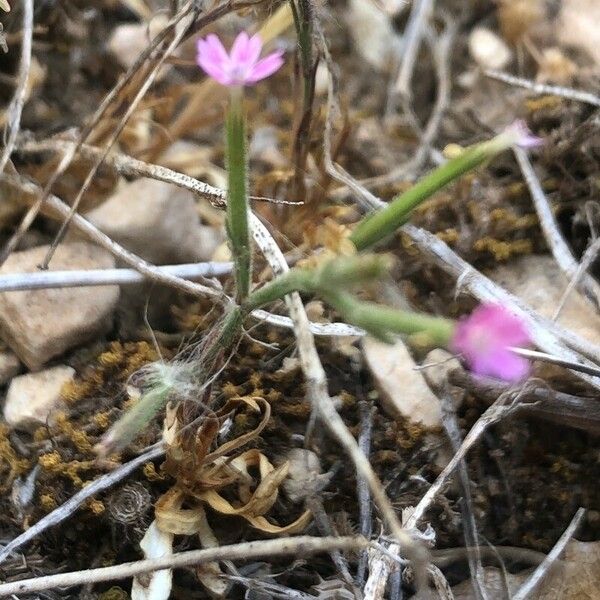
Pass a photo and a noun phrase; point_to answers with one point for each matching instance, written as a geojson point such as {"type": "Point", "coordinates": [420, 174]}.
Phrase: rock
{"type": "Point", "coordinates": [32, 398]}
{"type": "Point", "coordinates": [577, 26]}
{"type": "Point", "coordinates": [436, 368]}
{"type": "Point", "coordinates": [129, 40]}
{"type": "Point", "coordinates": [363, 19]}
{"type": "Point", "coordinates": [304, 476]}
{"type": "Point", "coordinates": [539, 282]}
{"type": "Point", "coordinates": [488, 50]}
{"type": "Point", "coordinates": [41, 324]}
{"type": "Point", "coordinates": [10, 365]}
{"type": "Point", "coordinates": [156, 220]}
{"type": "Point", "coordinates": [403, 388]}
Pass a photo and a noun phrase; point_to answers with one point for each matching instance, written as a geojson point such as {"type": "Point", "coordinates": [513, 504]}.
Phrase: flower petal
{"type": "Point", "coordinates": [239, 51]}
{"type": "Point", "coordinates": [213, 70]}
{"type": "Point", "coordinates": [265, 67]}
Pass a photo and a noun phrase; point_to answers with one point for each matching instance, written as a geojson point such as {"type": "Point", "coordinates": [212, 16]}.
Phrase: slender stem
{"type": "Point", "coordinates": [382, 321]}
{"type": "Point", "coordinates": [238, 229]}
{"type": "Point", "coordinates": [377, 226]}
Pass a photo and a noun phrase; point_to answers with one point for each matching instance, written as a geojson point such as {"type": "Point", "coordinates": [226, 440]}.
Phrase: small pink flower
{"type": "Point", "coordinates": [523, 137]}
{"type": "Point", "coordinates": [485, 337]}
{"type": "Point", "coordinates": [242, 65]}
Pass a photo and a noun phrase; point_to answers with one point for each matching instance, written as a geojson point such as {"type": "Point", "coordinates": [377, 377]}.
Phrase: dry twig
{"type": "Point", "coordinates": [556, 242]}
{"type": "Point", "coordinates": [15, 108]}
{"type": "Point", "coordinates": [68, 508]}
{"type": "Point", "coordinates": [296, 546]}
{"type": "Point", "coordinates": [530, 586]}
{"type": "Point", "coordinates": [543, 89]}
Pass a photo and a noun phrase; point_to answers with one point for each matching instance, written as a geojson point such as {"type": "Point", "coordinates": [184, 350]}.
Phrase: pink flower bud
{"type": "Point", "coordinates": [484, 339]}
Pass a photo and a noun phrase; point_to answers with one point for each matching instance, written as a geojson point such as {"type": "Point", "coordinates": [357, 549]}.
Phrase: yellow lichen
{"type": "Point", "coordinates": [502, 250]}
{"type": "Point", "coordinates": [47, 502]}
{"type": "Point", "coordinates": [96, 506]}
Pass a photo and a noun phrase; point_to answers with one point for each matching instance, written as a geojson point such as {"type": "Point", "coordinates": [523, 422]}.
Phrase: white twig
{"type": "Point", "coordinates": [531, 585]}
{"type": "Point", "coordinates": [15, 108]}
{"type": "Point", "coordinates": [68, 508]}
{"type": "Point", "coordinates": [556, 242]}
{"type": "Point", "coordinates": [413, 36]}
{"type": "Point", "coordinates": [586, 262]}
{"type": "Point", "coordinates": [14, 282]}
{"type": "Point", "coordinates": [57, 208]}
{"type": "Point", "coordinates": [543, 89]}
{"type": "Point", "coordinates": [297, 546]}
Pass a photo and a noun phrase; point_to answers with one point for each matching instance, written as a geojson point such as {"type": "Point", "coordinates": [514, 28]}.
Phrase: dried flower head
{"type": "Point", "coordinates": [485, 338]}
{"type": "Point", "coordinates": [242, 65]}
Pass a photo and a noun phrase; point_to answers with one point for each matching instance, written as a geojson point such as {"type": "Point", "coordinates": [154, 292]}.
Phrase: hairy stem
{"type": "Point", "coordinates": [238, 229]}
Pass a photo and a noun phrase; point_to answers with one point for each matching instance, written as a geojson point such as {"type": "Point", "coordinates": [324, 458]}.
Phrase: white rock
{"type": "Point", "coordinates": [129, 40]}
{"type": "Point", "coordinates": [41, 324]}
{"type": "Point", "coordinates": [372, 31]}
{"type": "Point", "coordinates": [578, 26]}
{"type": "Point", "coordinates": [10, 365]}
{"type": "Point", "coordinates": [156, 220]}
{"type": "Point", "coordinates": [32, 398]}
{"type": "Point", "coordinates": [540, 283]}
{"type": "Point", "coordinates": [403, 389]}
{"type": "Point", "coordinates": [488, 50]}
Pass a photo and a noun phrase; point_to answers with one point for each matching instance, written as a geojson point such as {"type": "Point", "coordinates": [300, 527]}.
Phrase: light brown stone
{"type": "Point", "coordinates": [32, 398]}
{"type": "Point", "coordinates": [41, 324]}
{"type": "Point", "coordinates": [404, 391]}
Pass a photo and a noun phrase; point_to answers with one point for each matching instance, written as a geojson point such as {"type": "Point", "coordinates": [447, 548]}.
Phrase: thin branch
{"type": "Point", "coordinates": [68, 508]}
{"type": "Point", "coordinates": [57, 208]}
{"type": "Point", "coordinates": [543, 89]}
{"type": "Point", "coordinates": [297, 546]}
{"type": "Point", "coordinates": [413, 36]}
{"type": "Point", "coordinates": [505, 404]}
{"type": "Point", "coordinates": [536, 578]}
{"type": "Point", "coordinates": [94, 277]}
{"type": "Point", "coordinates": [18, 100]}
{"type": "Point", "coordinates": [586, 262]}
{"type": "Point", "coordinates": [556, 242]}
{"type": "Point", "coordinates": [367, 412]}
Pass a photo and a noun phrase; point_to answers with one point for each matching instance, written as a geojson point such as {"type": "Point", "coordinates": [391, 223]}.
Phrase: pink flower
{"type": "Point", "coordinates": [241, 66]}
{"type": "Point", "coordinates": [523, 137]}
{"type": "Point", "coordinates": [485, 337]}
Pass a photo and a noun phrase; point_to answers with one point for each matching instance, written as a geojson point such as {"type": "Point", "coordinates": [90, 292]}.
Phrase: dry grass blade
{"type": "Point", "coordinates": [530, 586]}
{"type": "Point", "coordinates": [15, 107]}
{"type": "Point", "coordinates": [556, 242]}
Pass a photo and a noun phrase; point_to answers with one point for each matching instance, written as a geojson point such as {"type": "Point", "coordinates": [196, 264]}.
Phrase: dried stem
{"type": "Point", "coordinates": [15, 107]}
{"type": "Point", "coordinates": [543, 89]}
{"type": "Point", "coordinates": [68, 508]}
{"type": "Point", "coordinates": [534, 581]}
{"type": "Point", "coordinates": [297, 546]}
{"type": "Point", "coordinates": [556, 242]}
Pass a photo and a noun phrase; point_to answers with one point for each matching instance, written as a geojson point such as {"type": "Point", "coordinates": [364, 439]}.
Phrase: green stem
{"type": "Point", "coordinates": [382, 321]}
{"type": "Point", "coordinates": [377, 226]}
{"type": "Point", "coordinates": [238, 229]}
